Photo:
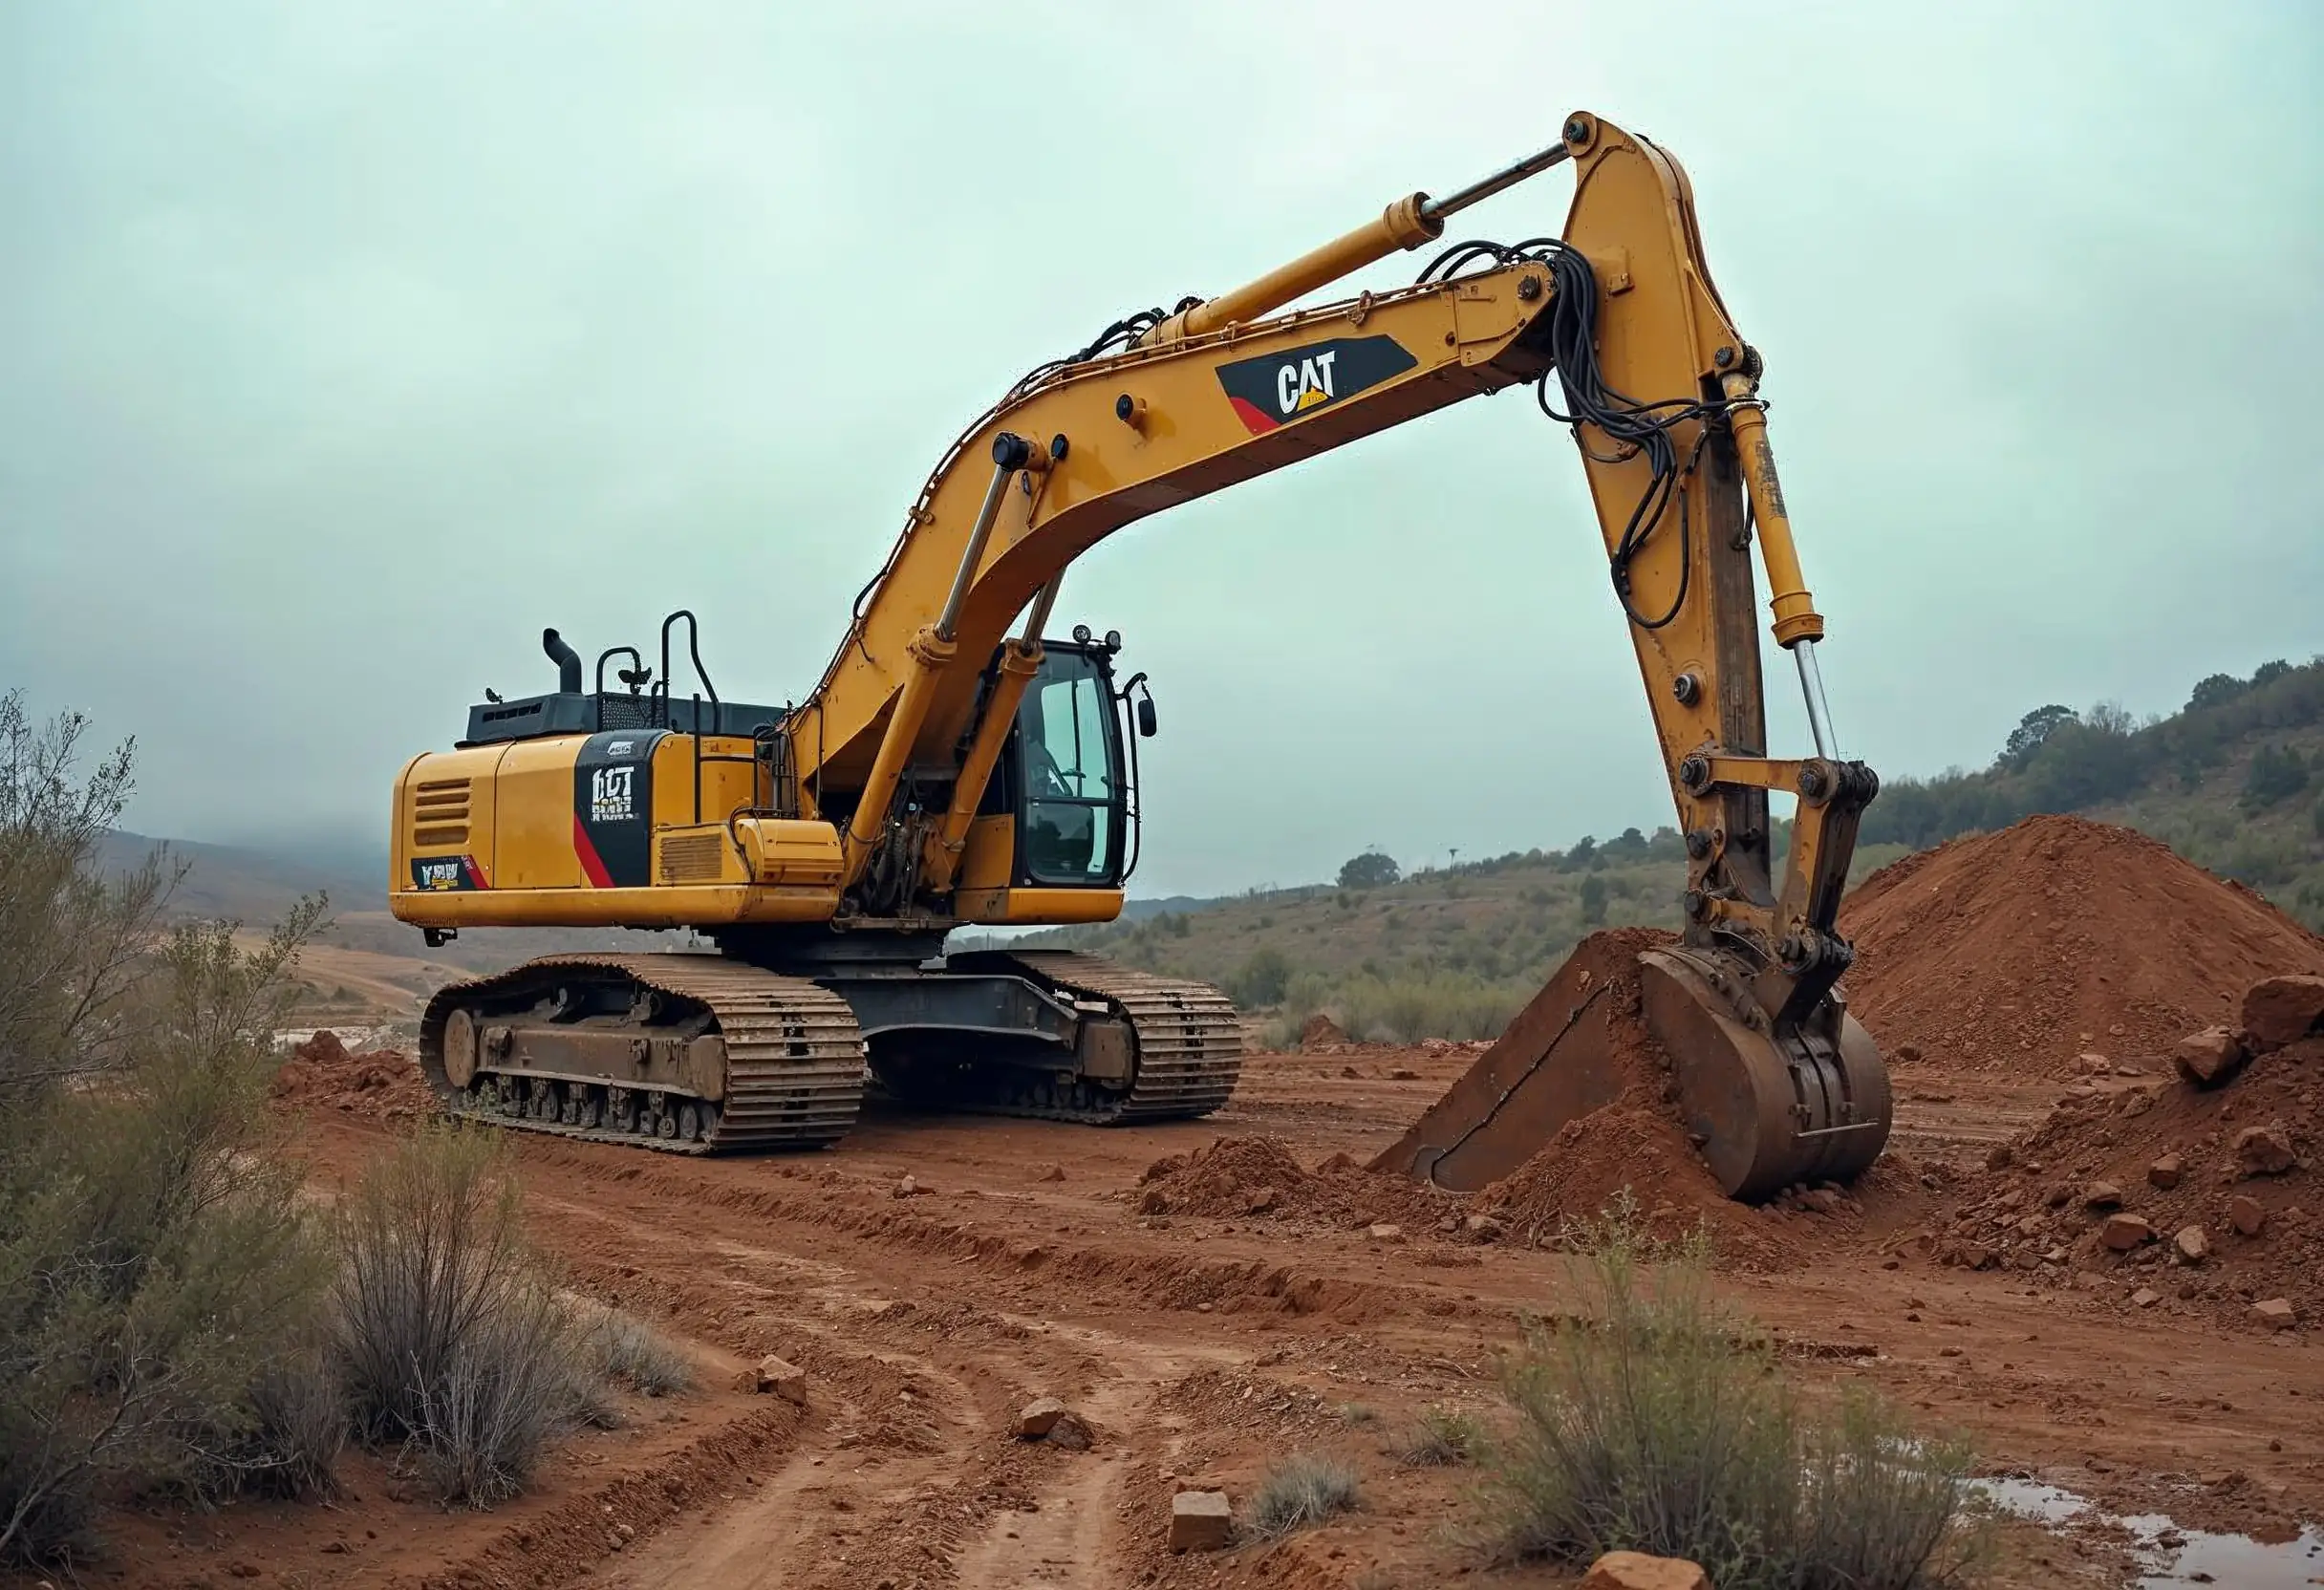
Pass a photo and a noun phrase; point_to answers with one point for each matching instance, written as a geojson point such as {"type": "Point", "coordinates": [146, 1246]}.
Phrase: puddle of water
{"type": "Point", "coordinates": [2198, 1556]}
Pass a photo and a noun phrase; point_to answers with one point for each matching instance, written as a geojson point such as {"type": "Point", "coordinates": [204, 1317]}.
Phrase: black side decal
{"type": "Point", "coordinates": [613, 807]}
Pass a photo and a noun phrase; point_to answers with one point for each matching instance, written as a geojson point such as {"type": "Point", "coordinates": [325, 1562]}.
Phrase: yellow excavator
{"type": "Point", "coordinates": [955, 766]}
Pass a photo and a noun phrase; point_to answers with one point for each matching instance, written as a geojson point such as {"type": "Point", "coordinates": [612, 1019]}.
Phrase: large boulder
{"type": "Point", "coordinates": [2282, 1010]}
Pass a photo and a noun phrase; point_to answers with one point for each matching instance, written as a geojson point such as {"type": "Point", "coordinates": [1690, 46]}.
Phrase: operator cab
{"type": "Point", "coordinates": [1069, 773]}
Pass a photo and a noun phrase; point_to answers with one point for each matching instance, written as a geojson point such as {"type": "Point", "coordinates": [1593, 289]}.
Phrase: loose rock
{"type": "Point", "coordinates": [781, 1377]}
{"type": "Point", "coordinates": [1637, 1571]}
{"type": "Point", "coordinates": [2166, 1173]}
{"type": "Point", "coordinates": [2145, 1297]}
{"type": "Point", "coordinates": [2191, 1246]}
{"type": "Point", "coordinates": [2124, 1232]}
{"type": "Point", "coordinates": [1386, 1232]}
{"type": "Point", "coordinates": [1200, 1521]}
{"type": "Point", "coordinates": [2102, 1196]}
{"type": "Point", "coordinates": [2282, 1010]}
{"type": "Point", "coordinates": [1036, 1418]}
{"type": "Point", "coordinates": [2209, 1056]}
{"type": "Point", "coordinates": [2263, 1151]}
{"type": "Point", "coordinates": [910, 1188]}
{"type": "Point", "coordinates": [2276, 1314]}
{"type": "Point", "coordinates": [2245, 1214]}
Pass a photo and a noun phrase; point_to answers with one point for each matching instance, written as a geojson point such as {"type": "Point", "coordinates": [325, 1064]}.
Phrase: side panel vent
{"type": "Point", "coordinates": [693, 858]}
{"type": "Point", "coordinates": [440, 814]}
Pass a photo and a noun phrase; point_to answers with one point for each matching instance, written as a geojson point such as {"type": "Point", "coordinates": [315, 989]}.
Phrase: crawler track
{"type": "Point", "coordinates": [1189, 1047]}
{"type": "Point", "coordinates": [794, 1058]}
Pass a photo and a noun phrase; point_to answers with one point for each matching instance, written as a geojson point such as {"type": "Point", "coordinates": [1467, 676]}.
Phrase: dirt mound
{"type": "Point", "coordinates": [2027, 948]}
{"type": "Point", "coordinates": [323, 1074]}
{"type": "Point", "coordinates": [1625, 1150]}
{"type": "Point", "coordinates": [1256, 1177]}
{"type": "Point", "coordinates": [1321, 1031]}
{"type": "Point", "coordinates": [2242, 1164]}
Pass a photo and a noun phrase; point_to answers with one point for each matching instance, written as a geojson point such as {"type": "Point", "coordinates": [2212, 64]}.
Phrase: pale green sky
{"type": "Point", "coordinates": [342, 348]}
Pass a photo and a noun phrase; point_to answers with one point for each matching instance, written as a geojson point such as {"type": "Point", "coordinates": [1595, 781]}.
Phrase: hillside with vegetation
{"type": "Point", "coordinates": [2234, 782]}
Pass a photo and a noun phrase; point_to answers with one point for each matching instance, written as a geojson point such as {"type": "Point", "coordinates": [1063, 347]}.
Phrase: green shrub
{"type": "Point", "coordinates": [1262, 979]}
{"type": "Point", "coordinates": [1665, 1426]}
{"type": "Point", "coordinates": [154, 1250]}
{"type": "Point", "coordinates": [1593, 900]}
{"type": "Point", "coordinates": [1439, 1437]}
{"type": "Point", "coordinates": [1301, 1491]}
{"type": "Point", "coordinates": [2276, 774]}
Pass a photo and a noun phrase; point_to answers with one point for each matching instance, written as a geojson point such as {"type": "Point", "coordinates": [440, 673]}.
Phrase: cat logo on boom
{"type": "Point", "coordinates": [1276, 388]}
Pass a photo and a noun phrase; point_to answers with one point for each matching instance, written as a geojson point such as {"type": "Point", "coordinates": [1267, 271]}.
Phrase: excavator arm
{"type": "Point", "coordinates": [1620, 330]}
{"type": "Point", "coordinates": [1619, 315]}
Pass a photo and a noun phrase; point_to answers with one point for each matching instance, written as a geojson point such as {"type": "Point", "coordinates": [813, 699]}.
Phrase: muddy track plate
{"type": "Point", "coordinates": [794, 1056]}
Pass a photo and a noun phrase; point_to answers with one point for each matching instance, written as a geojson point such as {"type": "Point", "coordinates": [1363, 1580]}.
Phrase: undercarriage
{"type": "Point", "coordinates": [709, 1053]}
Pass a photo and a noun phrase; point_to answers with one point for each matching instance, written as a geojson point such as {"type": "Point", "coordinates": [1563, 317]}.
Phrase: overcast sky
{"type": "Point", "coordinates": [344, 346]}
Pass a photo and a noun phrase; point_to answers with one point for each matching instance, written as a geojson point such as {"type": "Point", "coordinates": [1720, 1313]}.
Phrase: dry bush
{"type": "Point", "coordinates": [453, 1339]}
{"type": "Point", "coordinates": [1438, 1438]}
{"type": "Point", "coordinates": [628, 1351]}
{"type": "Point", "coordinates": [297, 1427]}
{"type": "Point", "coordinates": [1301, 1491]}
{"type": "Point", "coordinates": [1665, 1426]}
{"type": "Point", "coordinates": [152, 1246]}
{"type": "Point", "coordinates": [509, 1388]}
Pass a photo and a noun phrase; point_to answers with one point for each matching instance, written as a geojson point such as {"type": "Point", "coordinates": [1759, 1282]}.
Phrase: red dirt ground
{"type": "Point", "coordinates": [1202, 1331]}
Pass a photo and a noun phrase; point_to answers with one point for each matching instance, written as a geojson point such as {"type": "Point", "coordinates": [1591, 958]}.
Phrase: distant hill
{"type": "Point", "coordinates": [2234, 782]}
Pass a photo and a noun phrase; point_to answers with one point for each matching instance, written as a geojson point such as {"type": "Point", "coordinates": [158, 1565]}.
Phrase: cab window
{"type": "Point", "coordinates": [1070, 766]}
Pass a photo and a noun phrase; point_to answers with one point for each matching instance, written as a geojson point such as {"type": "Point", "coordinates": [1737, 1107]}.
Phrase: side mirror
{"type": "Point", "coordinates": [1146, 718]}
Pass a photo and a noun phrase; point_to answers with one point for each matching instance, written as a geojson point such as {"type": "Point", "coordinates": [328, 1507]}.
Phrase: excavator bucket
{"type": "Point", "coordinates": [1673, 1030]}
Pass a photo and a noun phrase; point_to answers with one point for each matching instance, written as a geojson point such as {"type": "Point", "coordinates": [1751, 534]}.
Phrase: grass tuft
{"type": "Point", "coordinates": [630, 1353]}
{"type": "Point", "coordinates": [1301, 1491]}
{"type": "Point", "coordinates": [1440, 1437]}
{"type": "Point", "coordinates": [1667, 1427]}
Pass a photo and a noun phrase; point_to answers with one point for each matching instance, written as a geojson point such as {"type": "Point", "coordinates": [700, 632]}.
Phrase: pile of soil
{"type": "Point", "coordinates": [2177, 1156]}
{"type": "Point", "coordinates": [1592, 1163]}
{"type": "Point", "coordinates": [1632, 1147]}
{"type": "Point", "coordinates": [2028, 948]}
{"type": "Point", "coordinates": [1257, 1178]}
{"type": "Point", "coordinates": [323, 1073]}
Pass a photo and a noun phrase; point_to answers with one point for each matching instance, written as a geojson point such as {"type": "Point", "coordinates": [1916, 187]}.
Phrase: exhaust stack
{"type": "Point", "coordinates": [566, 659]}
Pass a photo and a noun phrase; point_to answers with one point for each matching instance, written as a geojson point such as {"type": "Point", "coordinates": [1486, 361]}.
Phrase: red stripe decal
{"type": "Point", "coordinates": [592, 865]}
{"type": "Point", "coordinates": [1254, 418]}
{"type": "Point", "coordinates": [476, 873]}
